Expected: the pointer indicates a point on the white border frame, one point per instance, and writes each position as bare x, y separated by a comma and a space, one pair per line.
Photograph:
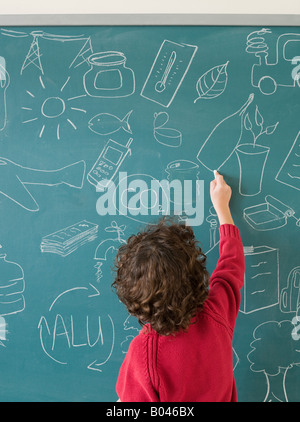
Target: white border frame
150, 19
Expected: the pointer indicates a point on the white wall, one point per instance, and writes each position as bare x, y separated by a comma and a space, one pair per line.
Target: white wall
149, 6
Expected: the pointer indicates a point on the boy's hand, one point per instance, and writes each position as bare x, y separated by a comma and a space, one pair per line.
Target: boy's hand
220, 194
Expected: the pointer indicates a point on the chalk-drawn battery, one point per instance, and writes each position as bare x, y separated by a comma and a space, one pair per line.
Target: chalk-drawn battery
108, 163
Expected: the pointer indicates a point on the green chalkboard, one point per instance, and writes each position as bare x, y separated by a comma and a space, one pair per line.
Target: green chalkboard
104, 129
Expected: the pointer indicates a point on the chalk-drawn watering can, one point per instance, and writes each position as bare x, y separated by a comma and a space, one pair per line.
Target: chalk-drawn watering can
109, 77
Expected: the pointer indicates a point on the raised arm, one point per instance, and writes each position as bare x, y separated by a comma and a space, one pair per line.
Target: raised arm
228, 277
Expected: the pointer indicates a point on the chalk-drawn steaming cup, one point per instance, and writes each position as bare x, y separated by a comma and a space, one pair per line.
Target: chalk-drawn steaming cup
252, 160
108, 77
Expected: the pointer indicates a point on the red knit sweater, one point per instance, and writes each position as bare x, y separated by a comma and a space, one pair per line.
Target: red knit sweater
193, 366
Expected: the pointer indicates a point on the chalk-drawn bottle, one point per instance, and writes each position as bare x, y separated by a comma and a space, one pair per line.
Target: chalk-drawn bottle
12, 286
223, 139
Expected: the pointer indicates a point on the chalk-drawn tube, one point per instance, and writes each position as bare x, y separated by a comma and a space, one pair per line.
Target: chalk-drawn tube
223, 139
270, 215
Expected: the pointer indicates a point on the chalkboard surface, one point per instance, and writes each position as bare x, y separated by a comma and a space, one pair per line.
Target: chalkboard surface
101, 128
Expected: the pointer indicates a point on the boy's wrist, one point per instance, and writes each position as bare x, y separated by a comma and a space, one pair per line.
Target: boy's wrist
224, 216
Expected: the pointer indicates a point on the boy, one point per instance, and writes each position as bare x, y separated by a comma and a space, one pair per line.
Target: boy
184, 351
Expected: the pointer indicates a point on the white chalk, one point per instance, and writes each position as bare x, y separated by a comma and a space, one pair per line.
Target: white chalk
215, 171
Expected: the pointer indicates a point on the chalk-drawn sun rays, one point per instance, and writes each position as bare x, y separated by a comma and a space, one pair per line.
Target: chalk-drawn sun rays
53, 109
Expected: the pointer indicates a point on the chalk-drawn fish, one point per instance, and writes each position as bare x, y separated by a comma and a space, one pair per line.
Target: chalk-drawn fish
105, 123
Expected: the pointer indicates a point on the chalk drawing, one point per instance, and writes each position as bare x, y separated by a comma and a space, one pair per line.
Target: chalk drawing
15, 178
60, 329
284, 357
166, 136
168, 71
108, 76
253, 155
34, 54
106, 123
289, 172
56, 109
65, 241
212, 83
4, 84
268, 76
108, 163
290, 295
270, 215
261, 285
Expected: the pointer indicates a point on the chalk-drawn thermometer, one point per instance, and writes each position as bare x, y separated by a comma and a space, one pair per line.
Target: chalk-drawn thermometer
160, 86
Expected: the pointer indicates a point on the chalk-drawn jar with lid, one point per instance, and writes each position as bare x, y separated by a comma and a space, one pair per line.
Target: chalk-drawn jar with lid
12, 286
109, 77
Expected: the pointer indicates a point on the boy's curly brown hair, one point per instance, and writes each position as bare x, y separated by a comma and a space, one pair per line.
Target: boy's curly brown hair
161, 276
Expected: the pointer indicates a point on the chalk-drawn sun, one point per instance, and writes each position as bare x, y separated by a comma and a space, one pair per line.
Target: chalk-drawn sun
52, 110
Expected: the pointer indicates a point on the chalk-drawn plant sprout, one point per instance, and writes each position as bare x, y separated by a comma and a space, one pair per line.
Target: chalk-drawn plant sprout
273, 338
259, 126
252, 155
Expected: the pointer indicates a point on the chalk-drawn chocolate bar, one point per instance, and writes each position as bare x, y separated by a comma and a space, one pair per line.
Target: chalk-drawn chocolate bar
65, 241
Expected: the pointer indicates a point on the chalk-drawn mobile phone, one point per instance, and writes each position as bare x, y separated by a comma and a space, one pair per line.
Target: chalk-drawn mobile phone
267, 76
108, 163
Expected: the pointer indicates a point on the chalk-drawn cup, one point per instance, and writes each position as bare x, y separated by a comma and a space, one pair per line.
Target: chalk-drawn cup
108, 77
252, 160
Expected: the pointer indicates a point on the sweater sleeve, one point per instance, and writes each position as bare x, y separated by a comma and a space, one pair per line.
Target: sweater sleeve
134, 382
228, 277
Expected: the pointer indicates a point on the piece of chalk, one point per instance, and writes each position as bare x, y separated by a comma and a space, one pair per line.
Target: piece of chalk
215, 171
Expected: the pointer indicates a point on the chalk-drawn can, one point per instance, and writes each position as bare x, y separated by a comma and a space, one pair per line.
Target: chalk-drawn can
12, 286
183, 171
109, 77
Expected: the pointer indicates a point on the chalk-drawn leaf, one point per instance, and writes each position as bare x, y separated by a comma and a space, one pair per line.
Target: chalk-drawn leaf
247, 122
212, 83
258, 117
271, 129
